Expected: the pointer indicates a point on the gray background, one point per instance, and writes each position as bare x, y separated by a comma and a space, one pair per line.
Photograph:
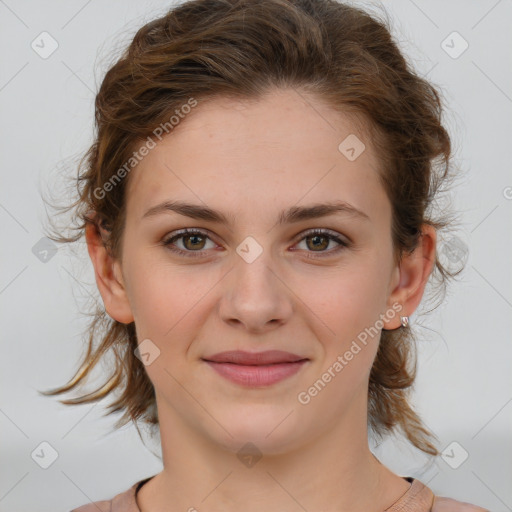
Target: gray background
463, 391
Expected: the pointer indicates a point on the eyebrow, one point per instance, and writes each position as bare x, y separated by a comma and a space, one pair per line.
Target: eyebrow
289, 216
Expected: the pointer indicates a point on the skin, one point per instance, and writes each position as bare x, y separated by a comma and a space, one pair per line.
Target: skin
252, 159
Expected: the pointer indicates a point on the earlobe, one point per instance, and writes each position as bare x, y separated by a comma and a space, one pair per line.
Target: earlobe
414, 271
106, 271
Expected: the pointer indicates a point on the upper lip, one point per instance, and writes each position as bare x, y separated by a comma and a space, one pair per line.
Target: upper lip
254, 358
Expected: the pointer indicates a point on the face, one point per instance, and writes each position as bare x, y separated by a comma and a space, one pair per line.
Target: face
254, 283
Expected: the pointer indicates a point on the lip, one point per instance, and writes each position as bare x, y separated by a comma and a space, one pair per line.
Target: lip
256, 369
254, 358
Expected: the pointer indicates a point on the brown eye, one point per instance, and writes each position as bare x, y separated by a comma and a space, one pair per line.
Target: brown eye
318, 240
192, 242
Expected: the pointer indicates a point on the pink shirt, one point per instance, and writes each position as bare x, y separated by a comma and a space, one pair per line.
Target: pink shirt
419, 498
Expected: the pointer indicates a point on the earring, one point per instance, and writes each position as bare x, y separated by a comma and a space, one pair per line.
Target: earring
404, 321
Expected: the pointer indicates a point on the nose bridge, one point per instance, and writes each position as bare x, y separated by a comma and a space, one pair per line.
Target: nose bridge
255, 294
253, 268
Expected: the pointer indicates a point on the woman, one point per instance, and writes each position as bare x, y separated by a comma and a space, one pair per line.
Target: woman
256, 209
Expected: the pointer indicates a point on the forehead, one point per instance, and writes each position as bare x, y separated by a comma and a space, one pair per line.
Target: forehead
282, 149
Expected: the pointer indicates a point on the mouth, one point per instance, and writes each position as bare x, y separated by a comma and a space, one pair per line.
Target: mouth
256, 369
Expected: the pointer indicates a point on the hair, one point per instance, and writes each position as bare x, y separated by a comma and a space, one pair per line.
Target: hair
203, 49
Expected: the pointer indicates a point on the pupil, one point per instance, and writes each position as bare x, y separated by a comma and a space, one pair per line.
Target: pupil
317, 237
195, 237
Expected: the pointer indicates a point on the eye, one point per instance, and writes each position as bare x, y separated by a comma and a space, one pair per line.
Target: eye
320, 239
193, 242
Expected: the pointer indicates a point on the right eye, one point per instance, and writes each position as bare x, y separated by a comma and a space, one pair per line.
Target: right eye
192, 239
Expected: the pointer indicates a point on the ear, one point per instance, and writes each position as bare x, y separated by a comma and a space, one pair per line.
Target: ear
411, 277
108, 277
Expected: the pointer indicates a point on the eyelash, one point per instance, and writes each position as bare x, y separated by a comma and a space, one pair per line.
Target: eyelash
194, 254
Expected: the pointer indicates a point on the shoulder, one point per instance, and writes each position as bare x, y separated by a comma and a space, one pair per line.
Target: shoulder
420, 498
450, 505
122, 502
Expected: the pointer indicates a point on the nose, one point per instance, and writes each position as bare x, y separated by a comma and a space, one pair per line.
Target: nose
255, 296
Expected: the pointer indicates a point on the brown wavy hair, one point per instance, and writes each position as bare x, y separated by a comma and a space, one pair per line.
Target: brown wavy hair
204, 49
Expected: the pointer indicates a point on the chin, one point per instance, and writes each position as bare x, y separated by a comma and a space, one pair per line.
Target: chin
263, 427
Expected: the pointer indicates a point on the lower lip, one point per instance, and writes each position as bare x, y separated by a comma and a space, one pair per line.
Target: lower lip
256, 375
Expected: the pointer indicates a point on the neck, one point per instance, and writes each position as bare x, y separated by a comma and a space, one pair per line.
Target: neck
334, 471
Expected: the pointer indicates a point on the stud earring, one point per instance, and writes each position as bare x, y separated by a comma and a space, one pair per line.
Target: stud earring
404, 320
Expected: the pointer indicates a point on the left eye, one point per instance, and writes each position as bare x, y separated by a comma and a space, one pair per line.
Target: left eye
193, 242
321, 239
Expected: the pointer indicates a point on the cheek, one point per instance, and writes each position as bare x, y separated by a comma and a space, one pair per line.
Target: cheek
168, 300
169, 309
349, 305
346, 301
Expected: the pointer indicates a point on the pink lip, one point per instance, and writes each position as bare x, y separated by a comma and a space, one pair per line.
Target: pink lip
256, 368
256, 375
251, 358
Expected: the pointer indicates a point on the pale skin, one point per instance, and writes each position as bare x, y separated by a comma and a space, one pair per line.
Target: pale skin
251, 160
